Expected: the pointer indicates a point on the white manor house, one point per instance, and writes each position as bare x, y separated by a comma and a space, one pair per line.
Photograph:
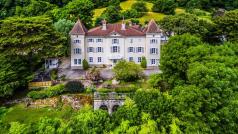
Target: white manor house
106, 44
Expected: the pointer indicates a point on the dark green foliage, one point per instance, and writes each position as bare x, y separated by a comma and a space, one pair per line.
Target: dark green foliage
35, 8
48, 92
63, 26
126, 89
164, 6
156, 81
132, 13
174, 58
143, 63
111, 14
85, 64
38, 34
185, 23
74, 86
89, 121
127, 71
139, 6
227, 25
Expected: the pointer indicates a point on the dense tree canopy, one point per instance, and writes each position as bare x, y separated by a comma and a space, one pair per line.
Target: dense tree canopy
164, 6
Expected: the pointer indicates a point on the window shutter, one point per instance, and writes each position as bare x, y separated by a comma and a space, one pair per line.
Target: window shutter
111, 49
102, 49
119, 49
156, 50
142, 49
88, 49
97, 49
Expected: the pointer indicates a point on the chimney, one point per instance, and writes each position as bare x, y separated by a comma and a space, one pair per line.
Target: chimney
123, 25
104, 25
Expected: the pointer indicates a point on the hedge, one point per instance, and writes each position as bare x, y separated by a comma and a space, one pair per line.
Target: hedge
46, 93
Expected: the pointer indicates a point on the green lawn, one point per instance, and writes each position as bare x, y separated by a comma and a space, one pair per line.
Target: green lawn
125, 5
98, 12
26, 115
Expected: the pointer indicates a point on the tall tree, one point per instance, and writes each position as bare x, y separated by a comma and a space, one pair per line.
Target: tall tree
164, 6
30, 36
227, 25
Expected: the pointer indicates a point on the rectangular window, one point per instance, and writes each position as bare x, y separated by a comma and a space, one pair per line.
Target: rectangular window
99, 59
130, 58
154, 51
153, 41
79, 61
153, 61
99, 40
140, 49
139, 59
115, 41
130, 49
90, 40
90, 59
75, 61
77, 51
77, 41
115, 49
99, 49
90, 49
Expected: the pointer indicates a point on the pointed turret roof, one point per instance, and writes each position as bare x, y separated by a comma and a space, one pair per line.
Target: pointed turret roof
152, 27
79, 28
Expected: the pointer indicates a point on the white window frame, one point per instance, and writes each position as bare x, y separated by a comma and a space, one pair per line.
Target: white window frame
99, 59
99, 48
115, 49
141, 49
130, 49
77, 41
139, 59
99, 40
90, 59
131, 59
153, 61
115, 41
77, 51
90, 40
153, 50
153, 41
90, 49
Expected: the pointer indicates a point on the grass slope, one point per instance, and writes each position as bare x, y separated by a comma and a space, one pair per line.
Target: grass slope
125, 5
26, 115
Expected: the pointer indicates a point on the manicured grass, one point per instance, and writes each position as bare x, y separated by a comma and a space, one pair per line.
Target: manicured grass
125, 5
98, 12
151, 15
26, 115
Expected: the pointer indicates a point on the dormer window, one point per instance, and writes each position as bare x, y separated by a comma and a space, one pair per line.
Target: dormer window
115, 41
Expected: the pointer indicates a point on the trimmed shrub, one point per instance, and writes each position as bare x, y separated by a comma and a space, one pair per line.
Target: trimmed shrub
143, 63
74, 86
139, 6
104, 90
37, 95
46, 93
85, 64
128, 71
156, 81
126, 89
